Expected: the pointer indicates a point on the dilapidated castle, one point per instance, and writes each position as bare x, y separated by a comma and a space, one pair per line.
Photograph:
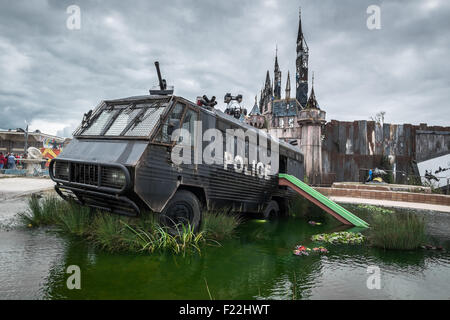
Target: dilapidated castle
340, 150
279, 115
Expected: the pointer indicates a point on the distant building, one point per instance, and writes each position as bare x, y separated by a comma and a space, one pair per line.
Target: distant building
14, 141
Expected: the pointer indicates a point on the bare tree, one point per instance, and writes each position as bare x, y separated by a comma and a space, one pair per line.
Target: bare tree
379, 117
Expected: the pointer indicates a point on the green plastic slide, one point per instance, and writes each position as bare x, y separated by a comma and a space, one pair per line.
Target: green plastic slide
333, 206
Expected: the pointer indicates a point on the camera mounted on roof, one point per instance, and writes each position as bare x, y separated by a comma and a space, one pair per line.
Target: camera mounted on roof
163, 89
234, 110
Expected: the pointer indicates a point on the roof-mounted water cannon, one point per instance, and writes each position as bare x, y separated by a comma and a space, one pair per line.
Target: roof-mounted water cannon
234, 109
163, 89
205, 102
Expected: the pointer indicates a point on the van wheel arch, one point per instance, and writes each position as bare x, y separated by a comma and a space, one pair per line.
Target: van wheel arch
199, 192
277, 207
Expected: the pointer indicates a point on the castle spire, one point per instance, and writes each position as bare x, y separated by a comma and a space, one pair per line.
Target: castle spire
288, 86
300, 32
312, 101
301, 63
277, 67
277, 77
267, 79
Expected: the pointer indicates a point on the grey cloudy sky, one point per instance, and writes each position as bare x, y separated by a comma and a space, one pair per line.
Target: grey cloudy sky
50, 75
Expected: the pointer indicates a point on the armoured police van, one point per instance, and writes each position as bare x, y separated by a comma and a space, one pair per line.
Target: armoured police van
121, 160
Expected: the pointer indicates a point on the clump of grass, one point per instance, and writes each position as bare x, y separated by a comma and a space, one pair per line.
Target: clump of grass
41, 212
107, 232
220, 224
158, 239
397, 231
113, 233
74, 219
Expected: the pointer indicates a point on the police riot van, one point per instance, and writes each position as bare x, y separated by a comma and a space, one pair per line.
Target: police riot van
164, 153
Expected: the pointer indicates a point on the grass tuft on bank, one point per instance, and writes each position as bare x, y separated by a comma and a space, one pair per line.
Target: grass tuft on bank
397, 231
389, 228
220, 224
116, 233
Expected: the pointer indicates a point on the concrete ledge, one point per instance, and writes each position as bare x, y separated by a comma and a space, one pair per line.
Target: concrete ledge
393, 204
18, 187
381, 187
435, 199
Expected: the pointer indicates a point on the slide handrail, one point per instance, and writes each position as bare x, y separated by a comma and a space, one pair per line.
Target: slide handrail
342, 212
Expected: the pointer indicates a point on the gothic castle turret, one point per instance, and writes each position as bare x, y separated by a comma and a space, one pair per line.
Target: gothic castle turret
281, 115
301, 66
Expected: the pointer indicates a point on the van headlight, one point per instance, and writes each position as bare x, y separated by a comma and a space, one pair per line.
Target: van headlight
61, 170
117, 178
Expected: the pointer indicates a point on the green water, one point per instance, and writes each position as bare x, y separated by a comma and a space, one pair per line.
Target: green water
257, 264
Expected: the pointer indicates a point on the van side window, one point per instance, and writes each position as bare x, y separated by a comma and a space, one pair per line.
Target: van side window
188, 123
172, 123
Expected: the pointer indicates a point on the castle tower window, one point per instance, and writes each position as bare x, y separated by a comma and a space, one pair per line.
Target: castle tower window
291, 122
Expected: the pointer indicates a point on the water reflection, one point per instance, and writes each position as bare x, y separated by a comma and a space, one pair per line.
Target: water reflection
25, 258
258, 264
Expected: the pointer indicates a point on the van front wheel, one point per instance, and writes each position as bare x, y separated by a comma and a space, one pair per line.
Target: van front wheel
182, 210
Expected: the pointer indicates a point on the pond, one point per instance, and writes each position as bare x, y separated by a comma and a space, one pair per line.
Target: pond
256, 264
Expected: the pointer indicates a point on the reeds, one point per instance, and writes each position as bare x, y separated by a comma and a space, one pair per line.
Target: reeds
404, 231
40, 213
114, 233
220, 224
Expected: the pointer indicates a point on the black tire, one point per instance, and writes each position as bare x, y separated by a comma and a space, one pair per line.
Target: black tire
183, 209
272, 210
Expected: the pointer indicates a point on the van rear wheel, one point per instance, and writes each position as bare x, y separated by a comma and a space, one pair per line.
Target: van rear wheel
272, 210
182, 210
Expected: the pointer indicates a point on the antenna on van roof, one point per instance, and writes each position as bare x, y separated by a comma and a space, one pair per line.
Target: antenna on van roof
163, 90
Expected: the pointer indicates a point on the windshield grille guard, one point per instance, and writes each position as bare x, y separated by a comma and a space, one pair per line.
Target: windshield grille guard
120, 106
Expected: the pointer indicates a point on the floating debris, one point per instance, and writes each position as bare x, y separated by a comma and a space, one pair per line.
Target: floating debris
301, 251
314, 223
304, 251
320, 250
342, 237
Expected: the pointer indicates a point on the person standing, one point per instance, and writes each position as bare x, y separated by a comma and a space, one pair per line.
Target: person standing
2, 160
11, 161
5, 162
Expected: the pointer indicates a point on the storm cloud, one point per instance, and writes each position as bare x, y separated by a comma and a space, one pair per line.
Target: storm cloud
51, 75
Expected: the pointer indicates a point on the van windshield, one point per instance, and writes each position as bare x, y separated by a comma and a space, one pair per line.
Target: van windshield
131, 120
